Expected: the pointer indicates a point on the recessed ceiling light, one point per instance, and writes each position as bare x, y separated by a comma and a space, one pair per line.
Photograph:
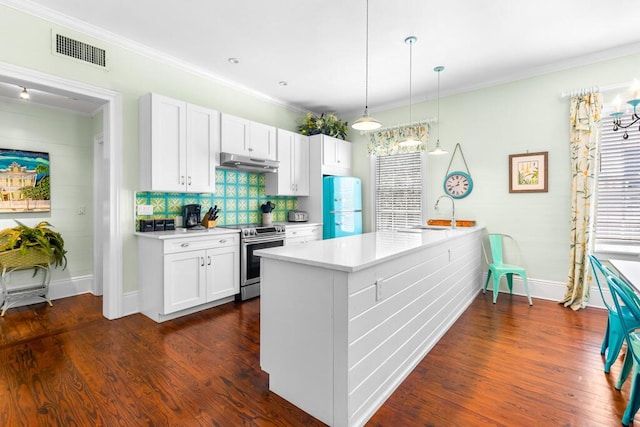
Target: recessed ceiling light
282, 83
24, 95
233, 60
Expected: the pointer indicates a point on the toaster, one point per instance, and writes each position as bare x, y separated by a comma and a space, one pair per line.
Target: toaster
298, 216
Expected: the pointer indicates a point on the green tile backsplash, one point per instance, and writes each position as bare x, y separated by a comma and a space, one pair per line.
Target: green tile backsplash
238, 194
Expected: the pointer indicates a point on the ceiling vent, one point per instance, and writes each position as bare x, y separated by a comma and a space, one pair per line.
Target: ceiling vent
81, 51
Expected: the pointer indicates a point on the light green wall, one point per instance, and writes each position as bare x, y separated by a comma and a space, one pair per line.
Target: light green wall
526, 115
28, 44
67, 138
489, 123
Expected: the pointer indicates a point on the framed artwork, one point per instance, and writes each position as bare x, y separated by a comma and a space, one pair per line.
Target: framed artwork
528, 173
24, 181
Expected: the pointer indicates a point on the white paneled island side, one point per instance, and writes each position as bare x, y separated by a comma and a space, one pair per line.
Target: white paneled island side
344, 321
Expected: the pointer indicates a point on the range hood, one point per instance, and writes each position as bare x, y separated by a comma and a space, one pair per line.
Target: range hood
248, 163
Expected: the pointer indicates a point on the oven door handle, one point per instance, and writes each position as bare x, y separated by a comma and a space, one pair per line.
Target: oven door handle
263, 240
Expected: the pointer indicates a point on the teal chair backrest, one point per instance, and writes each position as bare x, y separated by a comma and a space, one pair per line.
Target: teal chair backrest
599, 270
621, 292
495, 241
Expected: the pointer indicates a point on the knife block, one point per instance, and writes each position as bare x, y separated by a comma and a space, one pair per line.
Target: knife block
207, 222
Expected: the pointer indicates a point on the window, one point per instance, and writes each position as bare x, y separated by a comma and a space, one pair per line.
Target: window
399, 190
617, 225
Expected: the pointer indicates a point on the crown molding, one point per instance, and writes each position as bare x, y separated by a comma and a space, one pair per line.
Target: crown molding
73, 24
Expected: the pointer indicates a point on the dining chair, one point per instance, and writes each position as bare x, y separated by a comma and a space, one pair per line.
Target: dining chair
614, 334
623, 298
498, 268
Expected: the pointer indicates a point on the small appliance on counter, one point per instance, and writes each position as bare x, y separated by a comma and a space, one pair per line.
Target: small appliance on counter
298, 216
191, 215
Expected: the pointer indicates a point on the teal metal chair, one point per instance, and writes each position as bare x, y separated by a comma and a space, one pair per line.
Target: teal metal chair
625, 299
497, 268
614, 333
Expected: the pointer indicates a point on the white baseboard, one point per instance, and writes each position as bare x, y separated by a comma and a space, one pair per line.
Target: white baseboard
545, 289
70, 287
130, 304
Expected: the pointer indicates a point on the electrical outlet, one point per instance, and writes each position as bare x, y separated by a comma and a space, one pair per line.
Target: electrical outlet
145, 209
379, 289
82, 210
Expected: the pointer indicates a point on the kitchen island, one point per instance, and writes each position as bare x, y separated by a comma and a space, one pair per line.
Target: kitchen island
344, 321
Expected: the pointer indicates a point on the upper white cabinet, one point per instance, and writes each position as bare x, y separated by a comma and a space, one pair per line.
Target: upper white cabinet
179, 145
335, 154
247, 138
292, 177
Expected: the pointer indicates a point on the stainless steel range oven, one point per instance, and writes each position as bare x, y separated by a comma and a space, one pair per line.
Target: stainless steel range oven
252, 238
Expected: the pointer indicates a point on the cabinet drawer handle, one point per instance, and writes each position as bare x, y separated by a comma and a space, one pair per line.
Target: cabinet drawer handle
250, 149
222, 241
185, 245
295, 232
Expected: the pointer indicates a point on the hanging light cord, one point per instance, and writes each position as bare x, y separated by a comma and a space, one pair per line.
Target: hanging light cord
366, 68
438, 106
411, 42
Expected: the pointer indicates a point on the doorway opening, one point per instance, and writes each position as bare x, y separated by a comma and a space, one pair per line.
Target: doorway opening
108, 185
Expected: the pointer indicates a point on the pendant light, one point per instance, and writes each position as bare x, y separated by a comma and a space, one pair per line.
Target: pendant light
366, 122
411, 140
438, 150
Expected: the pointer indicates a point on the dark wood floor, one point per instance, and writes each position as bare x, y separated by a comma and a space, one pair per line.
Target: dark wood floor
506, 364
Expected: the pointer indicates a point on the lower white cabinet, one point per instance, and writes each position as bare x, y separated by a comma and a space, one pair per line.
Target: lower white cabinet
296, 234
186, 274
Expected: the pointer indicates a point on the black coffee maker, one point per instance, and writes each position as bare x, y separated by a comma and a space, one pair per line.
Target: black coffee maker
191, 216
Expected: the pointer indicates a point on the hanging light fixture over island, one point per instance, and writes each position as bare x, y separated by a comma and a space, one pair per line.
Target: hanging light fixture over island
366, 122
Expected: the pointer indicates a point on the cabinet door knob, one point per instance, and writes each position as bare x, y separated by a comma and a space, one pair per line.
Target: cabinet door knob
185, 245
250, 149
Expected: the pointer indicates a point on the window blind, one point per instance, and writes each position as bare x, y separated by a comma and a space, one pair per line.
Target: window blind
618, 193
398, 194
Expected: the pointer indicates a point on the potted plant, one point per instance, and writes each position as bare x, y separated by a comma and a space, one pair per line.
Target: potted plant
326, 124
23, 246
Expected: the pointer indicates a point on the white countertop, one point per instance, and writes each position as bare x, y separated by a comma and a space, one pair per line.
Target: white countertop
629, 270
355, 253
299, 224
181, 233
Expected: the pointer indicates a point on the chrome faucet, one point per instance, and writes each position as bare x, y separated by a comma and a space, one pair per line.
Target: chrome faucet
453, 208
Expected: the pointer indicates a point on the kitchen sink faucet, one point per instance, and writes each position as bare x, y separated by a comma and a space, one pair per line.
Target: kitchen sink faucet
453, 209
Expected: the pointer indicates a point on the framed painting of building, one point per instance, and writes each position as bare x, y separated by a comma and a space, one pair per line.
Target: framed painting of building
24, 181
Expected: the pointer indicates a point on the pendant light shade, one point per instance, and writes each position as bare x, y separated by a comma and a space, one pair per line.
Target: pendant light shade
438, 150
410, 140
366, 122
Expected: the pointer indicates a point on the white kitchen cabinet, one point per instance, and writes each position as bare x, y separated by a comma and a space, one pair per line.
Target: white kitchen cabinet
336, 155
182, 275
185, 281
297, 234
292, 177
247, 138
327, 156
179, 145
